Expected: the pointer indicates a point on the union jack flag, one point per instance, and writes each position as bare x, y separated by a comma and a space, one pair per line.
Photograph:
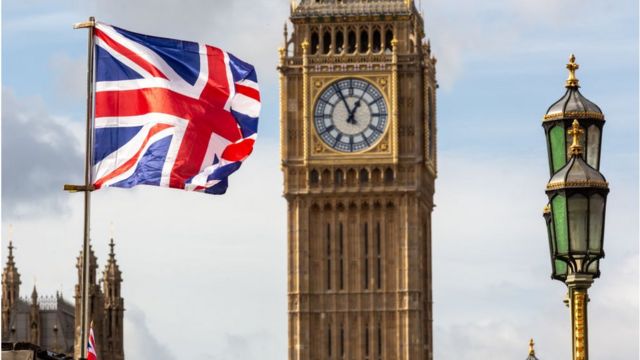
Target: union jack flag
91, 345
170, 113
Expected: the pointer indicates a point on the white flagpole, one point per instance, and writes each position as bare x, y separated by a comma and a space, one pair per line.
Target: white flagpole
87, 188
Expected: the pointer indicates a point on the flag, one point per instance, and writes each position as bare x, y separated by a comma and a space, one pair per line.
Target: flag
91, 345
170, 113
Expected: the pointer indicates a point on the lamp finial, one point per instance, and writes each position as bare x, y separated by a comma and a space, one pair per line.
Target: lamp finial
576, 131
572, 81
532, 352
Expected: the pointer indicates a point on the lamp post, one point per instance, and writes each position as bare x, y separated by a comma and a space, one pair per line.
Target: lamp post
577, 194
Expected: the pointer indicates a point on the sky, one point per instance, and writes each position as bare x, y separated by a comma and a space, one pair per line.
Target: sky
205, 277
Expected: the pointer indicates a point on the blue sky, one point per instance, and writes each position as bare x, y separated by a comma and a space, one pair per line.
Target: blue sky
500, 65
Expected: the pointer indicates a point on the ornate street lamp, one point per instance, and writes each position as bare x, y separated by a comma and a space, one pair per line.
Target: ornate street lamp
559, 117
575, 214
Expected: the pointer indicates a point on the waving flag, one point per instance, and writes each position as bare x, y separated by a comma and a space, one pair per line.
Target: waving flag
170, 113
91, 345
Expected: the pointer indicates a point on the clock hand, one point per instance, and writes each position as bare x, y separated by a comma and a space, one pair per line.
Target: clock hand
337, 89
353, 112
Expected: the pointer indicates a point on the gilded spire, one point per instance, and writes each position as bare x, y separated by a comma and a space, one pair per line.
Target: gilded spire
572, 81
532, 352
576, 131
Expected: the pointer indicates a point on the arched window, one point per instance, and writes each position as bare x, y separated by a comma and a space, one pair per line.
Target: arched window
329, 340
366, 340
365, 232
314, 177
328, 247
378, 257
341, 255
379, 339
341, 340
315, 42
377, 41
388, 36
326, 42
388, 176
338, 177
364, 176
339, 42
364, 41
351, 42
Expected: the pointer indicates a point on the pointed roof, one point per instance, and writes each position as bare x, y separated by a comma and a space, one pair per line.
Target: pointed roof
10, 272
112, 270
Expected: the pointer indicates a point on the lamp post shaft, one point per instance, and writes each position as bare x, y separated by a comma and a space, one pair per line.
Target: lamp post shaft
578, 285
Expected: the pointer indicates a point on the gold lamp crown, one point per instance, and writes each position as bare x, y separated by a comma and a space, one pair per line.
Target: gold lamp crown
532, 352
576, 131
572, 81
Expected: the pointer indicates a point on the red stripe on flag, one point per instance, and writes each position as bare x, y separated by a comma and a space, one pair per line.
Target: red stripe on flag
134, 159
238, 151
150, 68
248, 91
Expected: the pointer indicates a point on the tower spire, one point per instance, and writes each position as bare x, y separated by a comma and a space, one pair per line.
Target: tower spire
10, 286
113, 306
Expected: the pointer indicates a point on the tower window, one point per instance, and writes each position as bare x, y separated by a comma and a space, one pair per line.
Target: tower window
364, 41
377, 41
339, 42
366, 340
315, 42
328, 239
314, 177
364, 176
351, 42
366, 255
341, 252
388, 36
379, 340
329, 347
388, 175
338, 177
378, 257
341, 340
326, 42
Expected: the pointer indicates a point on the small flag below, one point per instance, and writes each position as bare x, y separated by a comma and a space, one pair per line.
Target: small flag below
91, 346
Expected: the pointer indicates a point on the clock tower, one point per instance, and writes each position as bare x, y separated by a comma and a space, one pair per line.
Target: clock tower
358, 149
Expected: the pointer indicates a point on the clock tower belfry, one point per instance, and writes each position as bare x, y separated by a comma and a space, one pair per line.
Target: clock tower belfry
358, 149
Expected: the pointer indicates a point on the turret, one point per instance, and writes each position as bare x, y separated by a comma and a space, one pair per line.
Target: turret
96, 301
113, 348
10, 289
34, 318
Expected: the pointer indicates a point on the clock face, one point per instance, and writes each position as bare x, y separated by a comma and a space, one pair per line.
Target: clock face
350, 115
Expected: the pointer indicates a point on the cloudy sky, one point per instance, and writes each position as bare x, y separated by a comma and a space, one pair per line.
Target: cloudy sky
205, 277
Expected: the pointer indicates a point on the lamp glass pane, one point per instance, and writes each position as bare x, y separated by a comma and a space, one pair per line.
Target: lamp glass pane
559, 212
596, 220
578, 215
560, 268
593, 144
558, 147
594, 267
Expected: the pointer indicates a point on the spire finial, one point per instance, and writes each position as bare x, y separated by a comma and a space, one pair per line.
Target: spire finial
532, 352
112, 244
572, 81
576, 131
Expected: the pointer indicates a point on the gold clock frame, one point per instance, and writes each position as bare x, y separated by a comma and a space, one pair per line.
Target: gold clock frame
383, 150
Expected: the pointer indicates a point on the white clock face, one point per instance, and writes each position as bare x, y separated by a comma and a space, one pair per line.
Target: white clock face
350, 115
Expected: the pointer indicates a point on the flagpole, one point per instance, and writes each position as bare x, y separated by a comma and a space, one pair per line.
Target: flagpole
87, 188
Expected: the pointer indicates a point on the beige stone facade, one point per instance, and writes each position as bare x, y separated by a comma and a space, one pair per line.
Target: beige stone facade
359, 239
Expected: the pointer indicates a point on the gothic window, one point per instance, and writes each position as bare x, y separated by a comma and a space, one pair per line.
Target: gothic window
339, 42
364, 41
378, 257
315, 42
351, 42
338, 177
314, 177
341, 253
329, 349
342, 340
366, 255
326, 177
377, 41
376, 176
364, 176
388, 36
366, 340
379, 340
326, 42
328, 240
351, 177
388, 176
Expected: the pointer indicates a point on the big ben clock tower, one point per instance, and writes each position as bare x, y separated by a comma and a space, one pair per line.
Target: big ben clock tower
358, 135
